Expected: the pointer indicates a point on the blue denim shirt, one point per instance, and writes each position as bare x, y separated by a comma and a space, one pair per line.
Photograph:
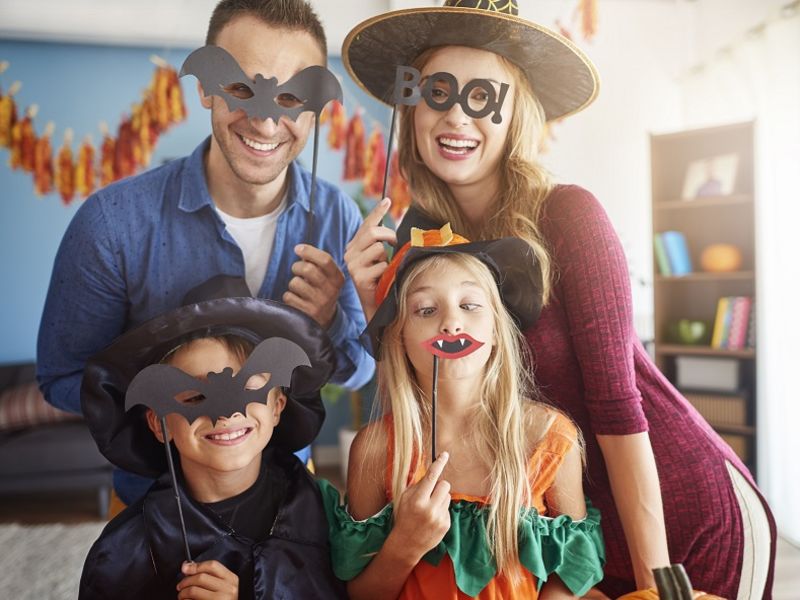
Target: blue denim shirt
136, 247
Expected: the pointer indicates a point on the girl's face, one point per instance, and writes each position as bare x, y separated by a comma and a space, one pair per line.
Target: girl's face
449, 314
458, 149
225, 443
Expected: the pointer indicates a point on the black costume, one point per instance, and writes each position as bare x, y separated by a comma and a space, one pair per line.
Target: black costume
274, 535
139, 553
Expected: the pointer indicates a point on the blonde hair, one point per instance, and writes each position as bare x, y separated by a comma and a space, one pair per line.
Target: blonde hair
524, 184
501, 419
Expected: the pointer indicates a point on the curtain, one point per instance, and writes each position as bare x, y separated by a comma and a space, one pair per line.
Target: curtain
758, 77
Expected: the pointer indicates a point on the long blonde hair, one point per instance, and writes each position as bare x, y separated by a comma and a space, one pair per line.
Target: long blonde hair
524, 184
501, 421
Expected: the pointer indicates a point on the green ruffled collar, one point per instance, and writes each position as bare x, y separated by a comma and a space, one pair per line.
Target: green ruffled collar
573, 550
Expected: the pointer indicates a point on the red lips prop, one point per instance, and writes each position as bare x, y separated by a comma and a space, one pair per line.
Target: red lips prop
452, 346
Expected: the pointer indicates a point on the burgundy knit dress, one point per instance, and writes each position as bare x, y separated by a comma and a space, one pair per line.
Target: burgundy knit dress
589, 362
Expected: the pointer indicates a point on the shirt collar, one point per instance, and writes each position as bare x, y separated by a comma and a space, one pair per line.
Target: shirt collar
194, 190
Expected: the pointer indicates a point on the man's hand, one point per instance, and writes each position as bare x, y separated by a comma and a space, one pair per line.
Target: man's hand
315, 287
207, 580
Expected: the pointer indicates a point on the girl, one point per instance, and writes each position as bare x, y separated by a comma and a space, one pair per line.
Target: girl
501, 512
645, 443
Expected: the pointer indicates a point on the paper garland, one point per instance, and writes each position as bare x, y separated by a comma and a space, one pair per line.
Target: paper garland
79, 174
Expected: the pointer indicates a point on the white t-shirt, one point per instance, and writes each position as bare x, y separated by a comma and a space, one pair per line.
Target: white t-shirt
254, 237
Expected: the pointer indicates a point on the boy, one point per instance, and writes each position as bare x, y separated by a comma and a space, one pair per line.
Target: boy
248, 522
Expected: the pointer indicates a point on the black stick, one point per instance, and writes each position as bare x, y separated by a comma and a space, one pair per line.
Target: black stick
434, 393
175, 488
389, 152
310, 225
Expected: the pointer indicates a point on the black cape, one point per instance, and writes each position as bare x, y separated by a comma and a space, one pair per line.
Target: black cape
140, 552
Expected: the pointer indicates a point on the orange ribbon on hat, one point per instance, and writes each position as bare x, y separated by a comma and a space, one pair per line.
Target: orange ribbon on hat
420, 238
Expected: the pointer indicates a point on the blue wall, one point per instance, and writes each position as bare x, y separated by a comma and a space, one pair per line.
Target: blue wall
78, 86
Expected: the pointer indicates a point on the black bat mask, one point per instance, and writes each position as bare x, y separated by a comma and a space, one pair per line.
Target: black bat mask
223, 394
261, 98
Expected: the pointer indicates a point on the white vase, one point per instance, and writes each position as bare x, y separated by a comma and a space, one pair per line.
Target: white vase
346, 437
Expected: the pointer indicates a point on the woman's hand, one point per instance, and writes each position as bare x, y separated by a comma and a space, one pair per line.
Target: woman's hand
366, 257
208, 580
422, 515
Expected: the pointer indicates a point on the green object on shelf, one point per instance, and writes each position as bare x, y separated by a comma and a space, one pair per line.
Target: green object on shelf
690, 332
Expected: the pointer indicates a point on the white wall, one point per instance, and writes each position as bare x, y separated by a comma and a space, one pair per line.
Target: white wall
757, 76
639, 49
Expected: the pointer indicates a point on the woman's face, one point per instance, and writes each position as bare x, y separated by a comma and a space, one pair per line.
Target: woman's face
461, 150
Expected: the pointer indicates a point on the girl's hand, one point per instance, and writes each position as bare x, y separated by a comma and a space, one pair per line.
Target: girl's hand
208, 580
366, 257
422, 514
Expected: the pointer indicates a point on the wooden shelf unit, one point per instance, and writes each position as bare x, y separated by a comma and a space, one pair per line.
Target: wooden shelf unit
706, 221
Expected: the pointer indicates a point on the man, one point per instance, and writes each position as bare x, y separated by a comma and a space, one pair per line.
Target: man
238, 205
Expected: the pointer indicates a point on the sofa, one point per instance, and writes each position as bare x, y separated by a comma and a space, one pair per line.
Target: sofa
43, 449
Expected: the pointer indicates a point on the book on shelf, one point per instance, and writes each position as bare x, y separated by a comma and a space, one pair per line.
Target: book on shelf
677, 251
751, 325
740, 318
719, 322
733, 322
661, 255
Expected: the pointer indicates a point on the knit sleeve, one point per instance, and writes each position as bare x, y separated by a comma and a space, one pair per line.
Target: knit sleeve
594, 287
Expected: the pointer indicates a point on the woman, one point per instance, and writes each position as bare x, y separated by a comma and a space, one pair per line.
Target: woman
669, 489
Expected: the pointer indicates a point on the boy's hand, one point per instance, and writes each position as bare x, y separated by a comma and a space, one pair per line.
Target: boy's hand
316, 284
422, 514
208, 580
366, 257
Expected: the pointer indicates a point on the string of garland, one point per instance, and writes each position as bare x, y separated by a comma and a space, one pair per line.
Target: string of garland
365, 158
79, 174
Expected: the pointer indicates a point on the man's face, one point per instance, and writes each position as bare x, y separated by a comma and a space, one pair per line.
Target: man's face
257, 151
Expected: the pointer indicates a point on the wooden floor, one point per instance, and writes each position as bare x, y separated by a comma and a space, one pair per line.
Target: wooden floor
78, 507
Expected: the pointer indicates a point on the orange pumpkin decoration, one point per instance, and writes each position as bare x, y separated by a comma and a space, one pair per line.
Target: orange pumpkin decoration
652, 594
721, 258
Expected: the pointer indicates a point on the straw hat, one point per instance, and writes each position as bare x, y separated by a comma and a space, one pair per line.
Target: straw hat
563, 78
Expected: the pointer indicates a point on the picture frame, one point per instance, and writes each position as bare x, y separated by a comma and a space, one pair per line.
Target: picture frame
710, 177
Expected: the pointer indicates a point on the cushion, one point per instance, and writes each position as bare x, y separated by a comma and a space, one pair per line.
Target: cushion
23, 405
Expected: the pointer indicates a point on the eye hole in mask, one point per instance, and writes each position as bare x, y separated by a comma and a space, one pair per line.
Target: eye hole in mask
239, 90
257, 381
189, 397
288, 100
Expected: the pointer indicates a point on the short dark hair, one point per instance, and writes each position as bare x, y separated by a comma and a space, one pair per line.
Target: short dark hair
288, 14
240, 347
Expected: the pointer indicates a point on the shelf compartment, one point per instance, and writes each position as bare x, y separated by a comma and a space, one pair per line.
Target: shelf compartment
676, 349
711, 201
705, 276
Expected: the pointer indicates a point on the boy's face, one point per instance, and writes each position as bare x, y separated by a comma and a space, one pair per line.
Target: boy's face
230, 442
257, 151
